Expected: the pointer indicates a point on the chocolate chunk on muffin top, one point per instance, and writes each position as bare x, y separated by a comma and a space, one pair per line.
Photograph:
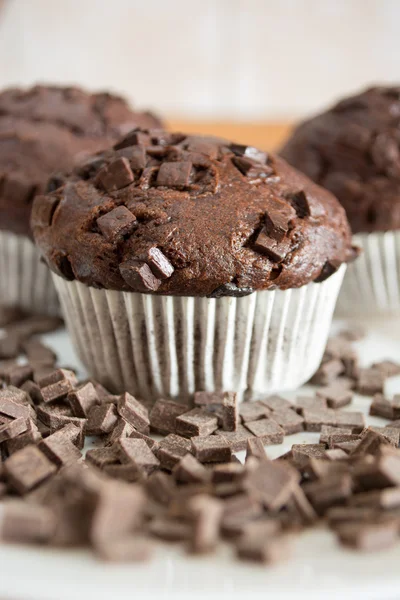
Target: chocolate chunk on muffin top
174, 214
353, 151
46, 129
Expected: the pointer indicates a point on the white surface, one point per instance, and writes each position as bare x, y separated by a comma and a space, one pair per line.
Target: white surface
318, 568
246, 59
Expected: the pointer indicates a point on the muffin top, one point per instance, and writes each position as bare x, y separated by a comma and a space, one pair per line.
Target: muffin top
46, 129
353, 151
184, 215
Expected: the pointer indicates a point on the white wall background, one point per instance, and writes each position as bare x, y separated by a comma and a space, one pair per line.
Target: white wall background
245, 59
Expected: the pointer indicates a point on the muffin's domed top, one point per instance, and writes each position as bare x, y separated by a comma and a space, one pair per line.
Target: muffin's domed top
46, 129
174, 214
353, 150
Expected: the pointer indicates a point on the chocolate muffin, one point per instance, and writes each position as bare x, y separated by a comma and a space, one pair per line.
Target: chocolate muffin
186, 242
353, 150
43, 130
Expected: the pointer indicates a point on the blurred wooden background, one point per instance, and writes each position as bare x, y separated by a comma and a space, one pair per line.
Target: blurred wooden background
264, 135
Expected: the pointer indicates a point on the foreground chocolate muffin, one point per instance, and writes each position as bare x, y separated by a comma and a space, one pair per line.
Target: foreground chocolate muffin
44, 130
186, 263
353, 150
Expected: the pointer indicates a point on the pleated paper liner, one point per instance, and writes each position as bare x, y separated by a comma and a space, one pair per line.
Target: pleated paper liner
164, 346
372, 283
25, 281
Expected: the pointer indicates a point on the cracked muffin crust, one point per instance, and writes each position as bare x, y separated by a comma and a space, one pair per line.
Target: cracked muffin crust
46, 129
182, 215
353, 150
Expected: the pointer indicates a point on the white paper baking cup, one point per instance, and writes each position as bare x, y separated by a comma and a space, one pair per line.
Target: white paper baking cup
372, 282
166, 346
25, 281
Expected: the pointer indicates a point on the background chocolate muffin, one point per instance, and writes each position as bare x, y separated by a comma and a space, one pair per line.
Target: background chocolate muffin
156, 235
353, 150
44, 130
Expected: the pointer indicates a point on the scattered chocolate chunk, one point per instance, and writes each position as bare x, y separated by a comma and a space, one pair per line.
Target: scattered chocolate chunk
267, 430
174, 174
328, 371
388, 368
83, 399
159, 264
302, 453
38, 353
27, 468
26, 523
272, 483
116, 175
18, 375
252, 411
13, 428
190, 470
289, 420
206, 514
152, 444
59, 447
134, 412
237, 440
57, 415
9, 346
370, 443
353, 419
335, 396
276, 251
313, 420
211, 449
229, 413
381, 407
255, 447
310, 403
328, 430
328, 492
33, 391
102, 419
370, 382
101, 457
163, 416
14, 403
161, 487
369, 536
137, 452
121, 430
197, 422
57, 385
228, 472
116, 224
171, 449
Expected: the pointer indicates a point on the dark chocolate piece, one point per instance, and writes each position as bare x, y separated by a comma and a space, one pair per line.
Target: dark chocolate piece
267, 430
197, 422
211, 449
163, 416
27, 468
134, 412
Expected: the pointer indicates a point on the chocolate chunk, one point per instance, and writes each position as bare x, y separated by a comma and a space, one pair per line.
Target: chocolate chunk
388, 368
313, 420
134, 412
328, 430
237, 440
262, 549
336, 440
152, 444
38, 353
252, 168
329, 268
130, 548
116, 224
272, 483
289, 420
134, 138
328, 492
300, 203
276, 251
102, 419
249, 151
121, 430
277, 220
171, 449
197, 422
26, 523
371, 536
27, 468
163, 416
255, 447
232, 290
228, 473
158, 263
116, 175
328, 372
174, 174
100, 457
276, 403
370, 382
57, 389
336, 396
139, 276
30, 436
9, 346
353, 419
160, 487
205, 513
310, 403
229, 413
83, 399
252, 411
16, 376
35, 325
14, 403
381, 407
381, 473
267, 430
211, 449
170, 530
190, 470
11, 430
302, 453
370, 443
59, 447
57, 415
137, 452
